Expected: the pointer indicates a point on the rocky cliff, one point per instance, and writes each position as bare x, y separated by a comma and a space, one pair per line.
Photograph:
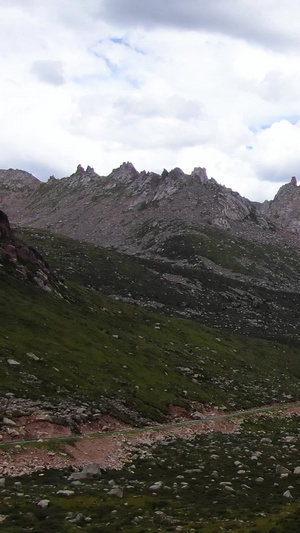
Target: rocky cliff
136, 212
21, 260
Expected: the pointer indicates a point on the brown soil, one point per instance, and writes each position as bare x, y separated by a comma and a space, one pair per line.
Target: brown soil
111, 451
41, 427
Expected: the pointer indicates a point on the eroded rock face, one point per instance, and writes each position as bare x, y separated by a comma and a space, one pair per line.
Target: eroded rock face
24, 260
128, 209
5, 230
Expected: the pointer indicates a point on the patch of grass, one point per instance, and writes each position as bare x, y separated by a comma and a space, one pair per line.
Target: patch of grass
233, 253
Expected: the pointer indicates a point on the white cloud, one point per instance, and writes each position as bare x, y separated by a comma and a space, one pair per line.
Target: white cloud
51, 72
162, 84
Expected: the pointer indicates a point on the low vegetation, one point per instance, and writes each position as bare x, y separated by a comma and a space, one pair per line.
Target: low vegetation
216, 482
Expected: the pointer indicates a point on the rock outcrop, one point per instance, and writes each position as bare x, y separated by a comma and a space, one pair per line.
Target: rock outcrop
25, 261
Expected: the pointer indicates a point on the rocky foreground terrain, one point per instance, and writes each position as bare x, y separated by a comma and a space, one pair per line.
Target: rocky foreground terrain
185, 320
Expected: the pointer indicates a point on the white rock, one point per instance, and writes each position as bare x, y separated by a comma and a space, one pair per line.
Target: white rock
33, 356
156, 486
44, 503
13, 362
228, 488
66, 493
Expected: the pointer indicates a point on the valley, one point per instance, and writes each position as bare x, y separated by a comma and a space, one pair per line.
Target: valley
168, 357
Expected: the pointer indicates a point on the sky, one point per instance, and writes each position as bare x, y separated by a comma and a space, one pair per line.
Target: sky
162, 84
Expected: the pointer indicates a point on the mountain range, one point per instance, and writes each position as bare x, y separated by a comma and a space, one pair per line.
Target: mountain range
138, 212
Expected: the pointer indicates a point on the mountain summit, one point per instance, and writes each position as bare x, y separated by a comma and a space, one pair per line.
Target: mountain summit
128, 209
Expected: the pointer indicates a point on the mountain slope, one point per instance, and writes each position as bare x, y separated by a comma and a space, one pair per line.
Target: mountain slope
134, 212
229, 284
77, 346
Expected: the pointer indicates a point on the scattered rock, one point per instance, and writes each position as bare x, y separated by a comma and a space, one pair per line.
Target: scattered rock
13, 362
265, 440
8, 422
282, 470
156, 486
117, 492
33, 356
44, 503
65, 493
92, 470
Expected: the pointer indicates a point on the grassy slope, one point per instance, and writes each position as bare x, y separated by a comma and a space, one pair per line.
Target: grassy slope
233, 253
90, 345
102, 269
189, 287
85, 261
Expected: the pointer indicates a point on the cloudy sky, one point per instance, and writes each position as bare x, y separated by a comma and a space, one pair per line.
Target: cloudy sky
169, 83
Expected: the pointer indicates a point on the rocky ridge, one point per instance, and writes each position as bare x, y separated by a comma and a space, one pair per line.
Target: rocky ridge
135, 211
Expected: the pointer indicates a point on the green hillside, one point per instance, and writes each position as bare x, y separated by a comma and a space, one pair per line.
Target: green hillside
95, 349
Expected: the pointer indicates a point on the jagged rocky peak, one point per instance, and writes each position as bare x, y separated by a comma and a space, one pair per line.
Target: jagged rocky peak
286, 202
294, 181
89, 171
284, 210
125, 173
288, 189
176, 173
200, 173
79, 170
81, 176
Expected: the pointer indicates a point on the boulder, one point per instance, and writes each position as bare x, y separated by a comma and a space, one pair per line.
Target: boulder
13, 362
44, 503
92, 470
117, 492
7, 422
282, 470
